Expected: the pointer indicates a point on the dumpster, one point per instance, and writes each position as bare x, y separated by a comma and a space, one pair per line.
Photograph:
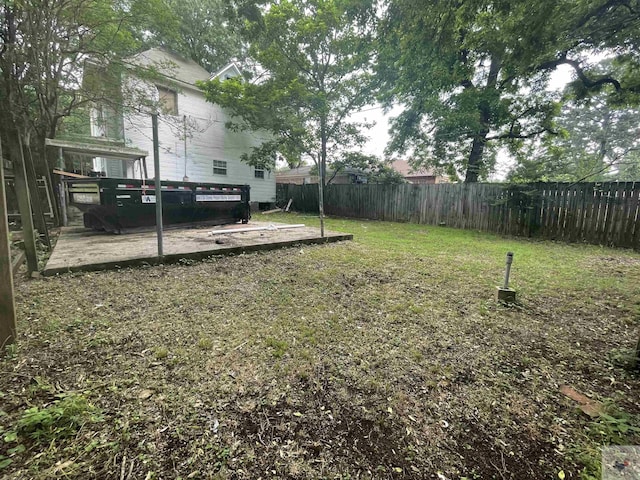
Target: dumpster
116, 204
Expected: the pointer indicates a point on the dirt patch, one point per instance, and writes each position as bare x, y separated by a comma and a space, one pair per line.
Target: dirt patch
323, 431
526, 457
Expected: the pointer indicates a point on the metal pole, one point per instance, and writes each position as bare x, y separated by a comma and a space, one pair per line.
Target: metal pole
156, 169
508, 269
7, 304
63, 202
61, 193
321, 195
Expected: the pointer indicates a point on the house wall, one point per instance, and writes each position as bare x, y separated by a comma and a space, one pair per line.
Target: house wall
342, 179
207, 137
207, 140
105, 123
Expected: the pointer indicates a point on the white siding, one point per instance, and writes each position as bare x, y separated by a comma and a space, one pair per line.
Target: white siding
207, 140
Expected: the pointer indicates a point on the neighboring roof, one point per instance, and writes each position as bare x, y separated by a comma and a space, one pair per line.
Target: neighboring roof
406, 170
305, 170
295, 172
229, 71
175, 67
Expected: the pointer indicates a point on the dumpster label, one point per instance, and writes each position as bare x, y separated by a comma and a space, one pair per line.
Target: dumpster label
148, 199
218, 198
86, 198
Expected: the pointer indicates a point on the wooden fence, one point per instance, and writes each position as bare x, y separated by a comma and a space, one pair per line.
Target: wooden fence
599, 213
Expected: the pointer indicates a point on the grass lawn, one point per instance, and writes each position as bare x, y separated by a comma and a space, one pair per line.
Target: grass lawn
384, 357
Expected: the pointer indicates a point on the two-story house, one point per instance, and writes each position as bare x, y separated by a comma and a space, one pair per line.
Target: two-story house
194, 143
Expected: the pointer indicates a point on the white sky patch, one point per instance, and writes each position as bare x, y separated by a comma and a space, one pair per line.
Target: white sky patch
378, 134
562, 75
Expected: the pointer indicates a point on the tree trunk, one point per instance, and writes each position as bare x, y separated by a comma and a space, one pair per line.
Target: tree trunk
11, 128
321, 200
476, 156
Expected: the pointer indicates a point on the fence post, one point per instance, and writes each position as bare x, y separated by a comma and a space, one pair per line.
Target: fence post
7, 304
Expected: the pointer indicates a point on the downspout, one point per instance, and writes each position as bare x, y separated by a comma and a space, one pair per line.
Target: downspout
184, 121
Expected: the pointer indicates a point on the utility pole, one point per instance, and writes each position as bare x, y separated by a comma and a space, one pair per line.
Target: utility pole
156, 169
7, 306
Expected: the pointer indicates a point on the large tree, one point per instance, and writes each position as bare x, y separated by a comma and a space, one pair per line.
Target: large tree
313, 69
472, 73
207, 31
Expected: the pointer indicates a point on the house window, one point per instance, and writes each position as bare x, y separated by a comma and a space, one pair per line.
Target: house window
168, 100
259, 172
219, 167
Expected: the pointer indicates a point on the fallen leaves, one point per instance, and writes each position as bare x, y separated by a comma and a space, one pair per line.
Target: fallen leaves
593, 408
145, 394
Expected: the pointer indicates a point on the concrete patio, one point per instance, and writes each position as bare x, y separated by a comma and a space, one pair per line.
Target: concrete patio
80, 249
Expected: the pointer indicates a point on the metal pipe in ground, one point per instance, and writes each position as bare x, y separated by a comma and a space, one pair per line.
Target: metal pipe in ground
506, 294
507, 270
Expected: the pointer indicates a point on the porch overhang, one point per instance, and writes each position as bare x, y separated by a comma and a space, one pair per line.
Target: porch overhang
90, 149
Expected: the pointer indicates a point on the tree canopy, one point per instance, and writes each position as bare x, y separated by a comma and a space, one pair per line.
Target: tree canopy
206, 31
46, 47
313, 69
596, 142
472, 74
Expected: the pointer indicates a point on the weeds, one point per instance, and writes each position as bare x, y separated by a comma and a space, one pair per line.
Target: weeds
278, 347
205, 343
41, 426
62, 419
614, 426
161, 353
